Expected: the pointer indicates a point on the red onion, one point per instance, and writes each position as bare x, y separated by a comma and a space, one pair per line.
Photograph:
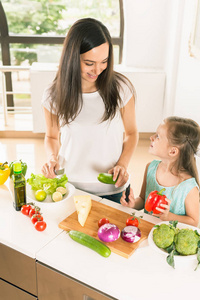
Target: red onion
131, 234
108, 232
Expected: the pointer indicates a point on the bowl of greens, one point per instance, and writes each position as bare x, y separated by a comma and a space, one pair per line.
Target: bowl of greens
48, 190
177, 241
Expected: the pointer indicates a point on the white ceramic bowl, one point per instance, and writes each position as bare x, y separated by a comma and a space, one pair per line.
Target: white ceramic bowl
176, 257
48, 201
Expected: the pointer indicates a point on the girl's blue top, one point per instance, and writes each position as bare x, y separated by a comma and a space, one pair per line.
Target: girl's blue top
177, 194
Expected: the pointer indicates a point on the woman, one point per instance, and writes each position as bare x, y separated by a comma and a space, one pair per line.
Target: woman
93, 108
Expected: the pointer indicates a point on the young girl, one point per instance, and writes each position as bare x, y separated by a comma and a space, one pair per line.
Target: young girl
91, 106
176, 143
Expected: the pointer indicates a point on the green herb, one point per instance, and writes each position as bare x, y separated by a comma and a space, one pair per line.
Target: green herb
170, 259
198, 255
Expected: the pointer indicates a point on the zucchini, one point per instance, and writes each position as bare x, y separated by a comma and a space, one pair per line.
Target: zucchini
106, 178
90, 242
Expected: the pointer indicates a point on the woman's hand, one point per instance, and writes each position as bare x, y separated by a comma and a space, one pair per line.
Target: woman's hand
131, 198
49, 167
165, 211
120, 174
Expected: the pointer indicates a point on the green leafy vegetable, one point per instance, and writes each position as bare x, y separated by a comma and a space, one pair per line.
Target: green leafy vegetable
170, 259
49, 185
198, 256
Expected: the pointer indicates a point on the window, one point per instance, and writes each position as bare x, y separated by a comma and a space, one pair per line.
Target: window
36, 32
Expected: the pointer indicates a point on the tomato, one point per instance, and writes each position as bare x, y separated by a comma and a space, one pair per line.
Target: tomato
40, 225
103, 221
36, 217
132, 221
34, 211
25, 209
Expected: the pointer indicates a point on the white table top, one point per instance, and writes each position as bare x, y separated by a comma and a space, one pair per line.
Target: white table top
145, 275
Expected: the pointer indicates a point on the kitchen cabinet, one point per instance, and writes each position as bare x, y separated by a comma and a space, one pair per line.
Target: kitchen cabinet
17, 269
9, 291
55, 285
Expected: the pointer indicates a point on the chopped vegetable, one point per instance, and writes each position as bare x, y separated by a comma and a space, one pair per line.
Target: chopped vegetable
57, 196
4, 172
154, 200
131, 234
108, 232
90, 242
62, 190
49, 185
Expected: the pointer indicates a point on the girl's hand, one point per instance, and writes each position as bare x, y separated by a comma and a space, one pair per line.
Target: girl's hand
164, 212
49, 167
131, 197
120, 174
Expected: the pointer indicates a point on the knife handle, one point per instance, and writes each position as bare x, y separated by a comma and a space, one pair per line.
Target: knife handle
127, 192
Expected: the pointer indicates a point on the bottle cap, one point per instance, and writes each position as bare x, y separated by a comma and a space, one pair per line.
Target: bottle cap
17, 167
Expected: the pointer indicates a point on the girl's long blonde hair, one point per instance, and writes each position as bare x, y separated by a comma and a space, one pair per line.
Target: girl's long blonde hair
185, 134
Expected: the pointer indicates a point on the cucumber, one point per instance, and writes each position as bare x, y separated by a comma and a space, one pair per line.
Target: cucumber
106, 178
90, 242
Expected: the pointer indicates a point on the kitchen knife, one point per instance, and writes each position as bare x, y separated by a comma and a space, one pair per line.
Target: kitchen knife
127, 192
59, 172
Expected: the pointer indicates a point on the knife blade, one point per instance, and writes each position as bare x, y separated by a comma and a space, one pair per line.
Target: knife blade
127, 192
59, 172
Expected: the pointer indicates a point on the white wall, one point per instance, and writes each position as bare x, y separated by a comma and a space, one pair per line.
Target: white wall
146, 25
187, 100
156, 36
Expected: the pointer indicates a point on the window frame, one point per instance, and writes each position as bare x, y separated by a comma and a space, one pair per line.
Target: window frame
6, 40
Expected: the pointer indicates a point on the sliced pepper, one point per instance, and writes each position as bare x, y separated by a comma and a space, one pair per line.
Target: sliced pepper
24, 167
4, 172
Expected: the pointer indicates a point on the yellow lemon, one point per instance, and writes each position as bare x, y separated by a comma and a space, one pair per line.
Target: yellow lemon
40, 195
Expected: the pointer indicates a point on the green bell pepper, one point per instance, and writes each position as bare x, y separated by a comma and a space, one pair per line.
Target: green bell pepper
24, 167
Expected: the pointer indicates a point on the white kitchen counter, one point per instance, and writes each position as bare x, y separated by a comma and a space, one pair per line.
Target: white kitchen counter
17, 230
145, 275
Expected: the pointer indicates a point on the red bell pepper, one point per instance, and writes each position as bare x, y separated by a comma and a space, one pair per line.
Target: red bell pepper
154, 200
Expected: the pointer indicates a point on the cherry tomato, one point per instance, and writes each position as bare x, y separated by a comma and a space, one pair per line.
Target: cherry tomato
132, 221
103, 221
34, 211
25, 209
36, 217
40, 225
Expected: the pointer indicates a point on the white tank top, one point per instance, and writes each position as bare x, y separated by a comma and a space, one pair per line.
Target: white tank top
89, 146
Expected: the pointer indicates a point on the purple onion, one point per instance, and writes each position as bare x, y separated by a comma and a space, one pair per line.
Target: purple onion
131, 234
108, 233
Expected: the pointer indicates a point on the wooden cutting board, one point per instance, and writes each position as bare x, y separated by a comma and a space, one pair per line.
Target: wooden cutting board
115, 216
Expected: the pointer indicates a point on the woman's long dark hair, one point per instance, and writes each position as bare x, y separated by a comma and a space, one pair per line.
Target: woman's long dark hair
65, 92
185, 134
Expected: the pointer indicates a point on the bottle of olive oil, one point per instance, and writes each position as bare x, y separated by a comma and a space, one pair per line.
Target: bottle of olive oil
19, 184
